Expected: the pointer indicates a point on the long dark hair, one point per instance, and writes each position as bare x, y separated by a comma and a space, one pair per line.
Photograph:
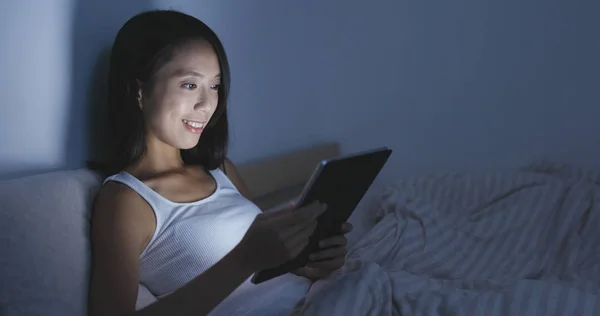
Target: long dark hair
144, 44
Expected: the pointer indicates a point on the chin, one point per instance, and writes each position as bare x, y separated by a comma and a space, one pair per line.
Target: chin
186, 143
186, 146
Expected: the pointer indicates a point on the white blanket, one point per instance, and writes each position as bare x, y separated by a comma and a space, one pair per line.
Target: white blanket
520, 243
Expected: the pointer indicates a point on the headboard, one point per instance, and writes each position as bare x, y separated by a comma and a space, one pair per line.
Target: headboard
280, 178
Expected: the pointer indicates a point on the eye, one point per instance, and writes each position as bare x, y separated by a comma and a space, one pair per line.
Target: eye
189, 86
215, 86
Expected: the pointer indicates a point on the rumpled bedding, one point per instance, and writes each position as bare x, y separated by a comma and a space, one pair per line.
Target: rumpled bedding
525, 242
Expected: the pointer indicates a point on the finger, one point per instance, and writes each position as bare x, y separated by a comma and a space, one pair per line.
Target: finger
305, 214
347, 227
290, 206
280, 211
297, 248
316, 274
328, 265
329, 254
283, 217
334, 241
302, 237
298, 229
314, 209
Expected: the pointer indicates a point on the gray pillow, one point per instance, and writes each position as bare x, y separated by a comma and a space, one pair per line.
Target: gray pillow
44, 243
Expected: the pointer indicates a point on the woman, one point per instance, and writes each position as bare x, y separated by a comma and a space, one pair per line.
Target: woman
173, 214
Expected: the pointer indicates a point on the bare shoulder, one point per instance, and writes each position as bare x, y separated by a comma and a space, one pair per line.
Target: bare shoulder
113, 193
122, 224
236, 178
229, 165
118, 207
115, 196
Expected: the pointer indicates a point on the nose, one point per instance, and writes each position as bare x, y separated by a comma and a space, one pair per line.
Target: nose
205, 102
202, 105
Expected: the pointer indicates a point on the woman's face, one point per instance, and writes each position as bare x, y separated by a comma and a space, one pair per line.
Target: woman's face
183, 97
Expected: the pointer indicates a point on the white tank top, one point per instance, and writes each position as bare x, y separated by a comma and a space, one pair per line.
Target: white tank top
191, 237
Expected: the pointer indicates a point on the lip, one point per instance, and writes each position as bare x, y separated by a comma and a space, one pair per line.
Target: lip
195, 121
193, 129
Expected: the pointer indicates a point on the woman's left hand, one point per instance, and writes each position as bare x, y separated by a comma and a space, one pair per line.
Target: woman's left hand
330, 257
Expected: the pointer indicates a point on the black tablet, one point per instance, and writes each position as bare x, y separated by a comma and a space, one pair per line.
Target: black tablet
340, 183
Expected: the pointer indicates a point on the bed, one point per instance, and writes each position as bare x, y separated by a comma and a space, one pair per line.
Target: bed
513, 242
516, 242
519, 242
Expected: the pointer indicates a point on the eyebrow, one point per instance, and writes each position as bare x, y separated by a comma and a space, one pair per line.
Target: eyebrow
185, 72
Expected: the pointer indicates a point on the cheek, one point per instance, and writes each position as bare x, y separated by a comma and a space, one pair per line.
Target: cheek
214, 103
172, 107
160, 116
178, 108
213, 109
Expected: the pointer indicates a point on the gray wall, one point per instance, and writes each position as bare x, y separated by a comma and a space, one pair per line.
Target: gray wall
447, 84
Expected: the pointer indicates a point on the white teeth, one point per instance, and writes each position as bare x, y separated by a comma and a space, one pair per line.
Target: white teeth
193, 124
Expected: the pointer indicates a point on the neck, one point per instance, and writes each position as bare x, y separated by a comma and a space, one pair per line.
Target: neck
159, 158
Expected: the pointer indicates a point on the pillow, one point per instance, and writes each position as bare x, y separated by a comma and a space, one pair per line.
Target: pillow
44, 243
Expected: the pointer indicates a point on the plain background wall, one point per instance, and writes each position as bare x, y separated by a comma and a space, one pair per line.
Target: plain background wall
447, 84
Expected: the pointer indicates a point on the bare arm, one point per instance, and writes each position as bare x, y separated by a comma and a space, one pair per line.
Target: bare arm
316, 270
239, 183
236, 178
206, 291
122, 223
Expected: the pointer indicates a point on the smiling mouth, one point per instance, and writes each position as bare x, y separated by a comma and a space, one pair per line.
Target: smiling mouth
195, 127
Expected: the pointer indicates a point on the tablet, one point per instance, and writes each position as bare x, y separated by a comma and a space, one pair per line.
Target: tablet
340, 183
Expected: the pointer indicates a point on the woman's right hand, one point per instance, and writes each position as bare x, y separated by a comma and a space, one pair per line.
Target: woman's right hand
277, 237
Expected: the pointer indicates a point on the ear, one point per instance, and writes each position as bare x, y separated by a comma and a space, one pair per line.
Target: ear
139, 99
140, 94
